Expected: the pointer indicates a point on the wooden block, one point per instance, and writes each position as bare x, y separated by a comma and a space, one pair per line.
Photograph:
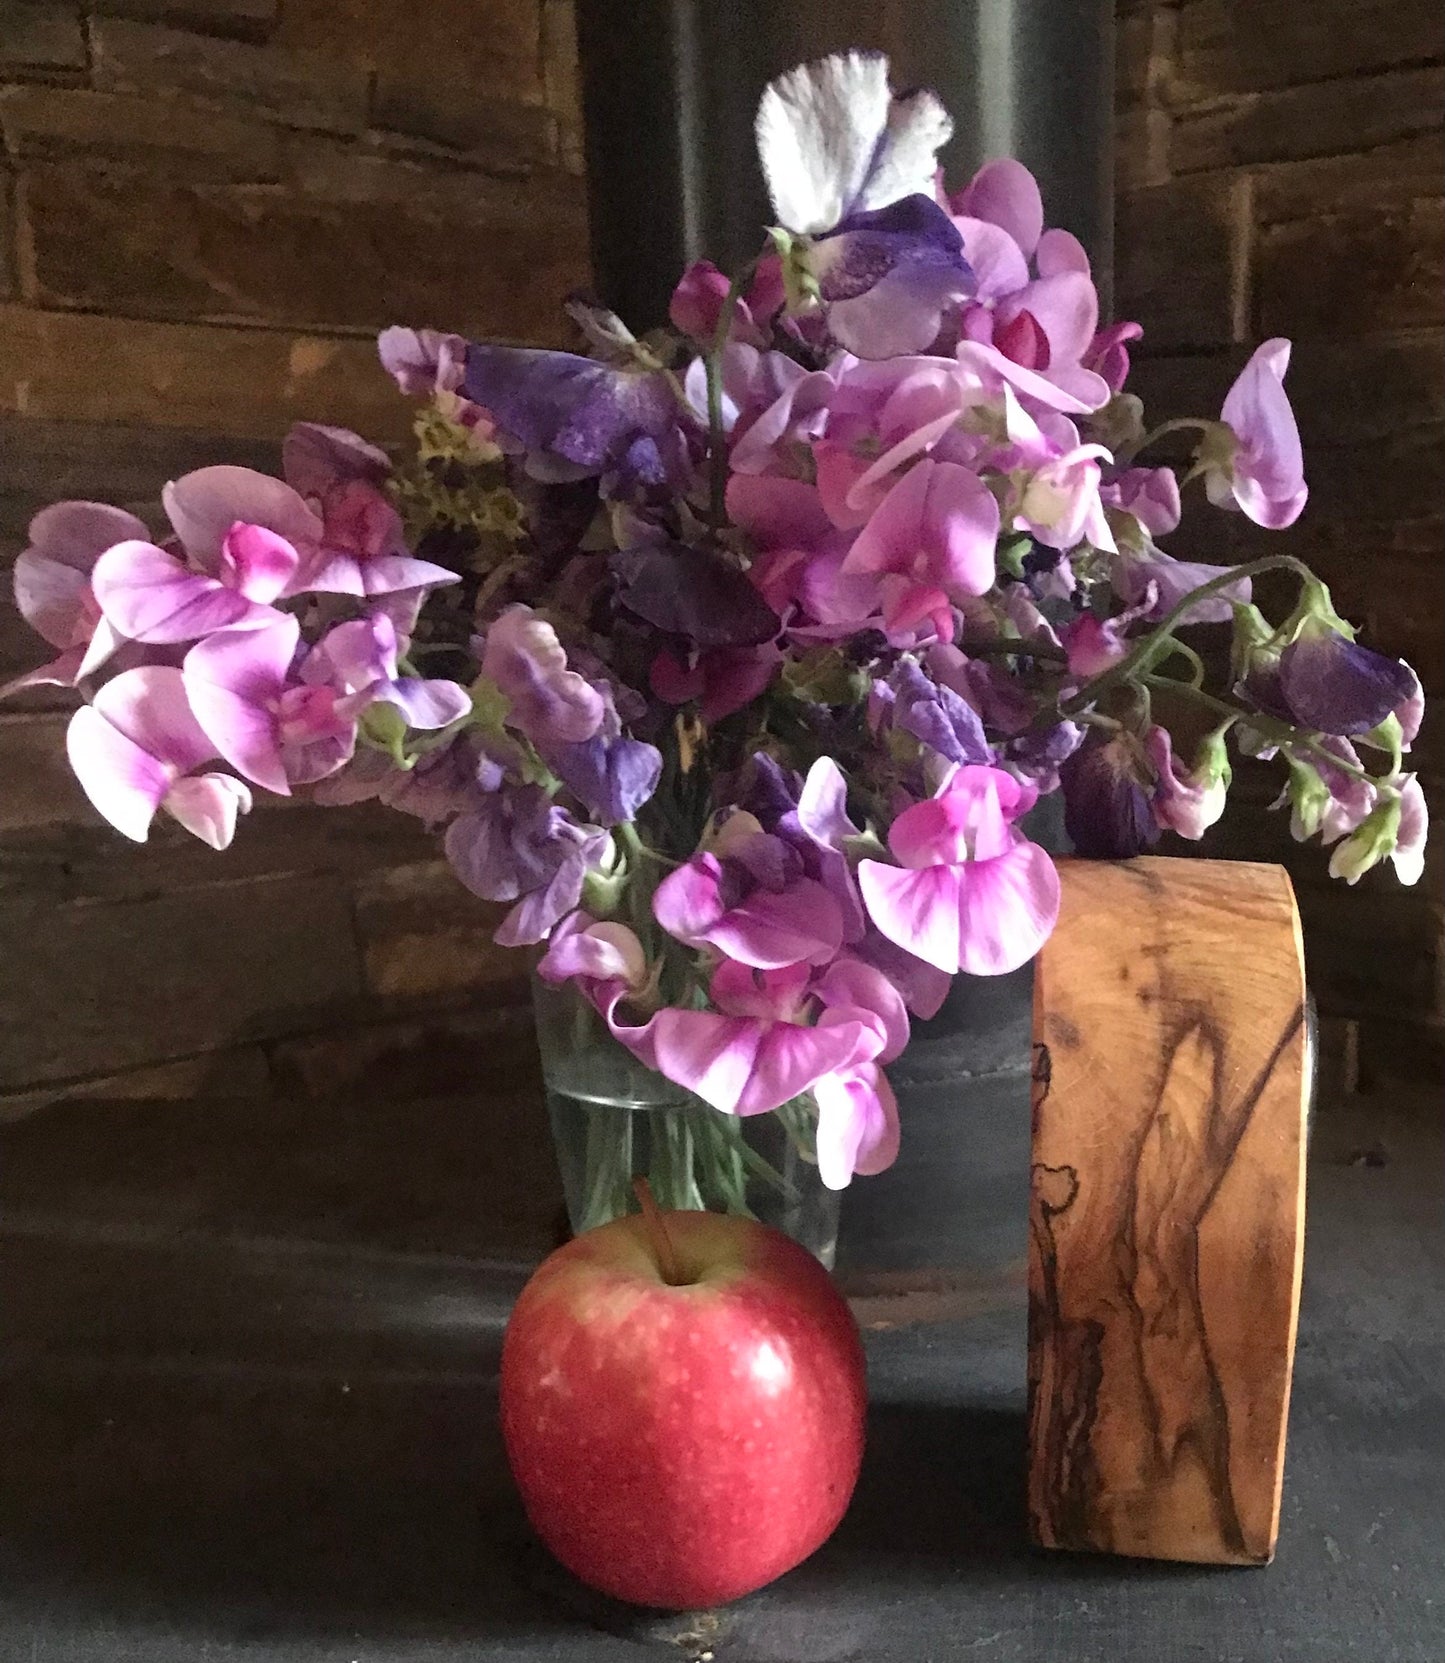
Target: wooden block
1167, 1209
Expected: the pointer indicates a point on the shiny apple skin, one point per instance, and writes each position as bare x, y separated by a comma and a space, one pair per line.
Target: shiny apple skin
680, 1446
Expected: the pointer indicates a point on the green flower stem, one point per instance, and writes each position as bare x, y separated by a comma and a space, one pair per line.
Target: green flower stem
717, 445
1012, 648
1180, 424
1150, 649
1269, 726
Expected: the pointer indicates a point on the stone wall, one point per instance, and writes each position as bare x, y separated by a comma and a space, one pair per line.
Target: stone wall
207, 209
1279, 173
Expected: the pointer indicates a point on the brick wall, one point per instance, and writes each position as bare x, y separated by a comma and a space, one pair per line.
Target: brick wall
1279, 173
208, 206
207, 209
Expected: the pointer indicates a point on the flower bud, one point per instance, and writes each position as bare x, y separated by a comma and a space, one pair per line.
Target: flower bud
1371, 842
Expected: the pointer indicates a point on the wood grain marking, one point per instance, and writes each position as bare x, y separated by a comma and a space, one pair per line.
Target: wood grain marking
1168, 1144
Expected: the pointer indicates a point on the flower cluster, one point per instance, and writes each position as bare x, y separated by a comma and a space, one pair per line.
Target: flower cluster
752, 642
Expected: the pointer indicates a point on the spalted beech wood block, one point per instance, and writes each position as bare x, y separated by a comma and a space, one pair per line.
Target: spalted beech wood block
1167, 1209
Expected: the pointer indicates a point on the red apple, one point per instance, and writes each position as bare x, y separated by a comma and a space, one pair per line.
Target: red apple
683, 1412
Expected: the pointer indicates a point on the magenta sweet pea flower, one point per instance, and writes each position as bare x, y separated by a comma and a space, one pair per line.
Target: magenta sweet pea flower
1263, 473
598, 953
271, 727
758, 1048
970, 891
134, 749
720, 681
751, 902
53, 587
929, 542
1035, 300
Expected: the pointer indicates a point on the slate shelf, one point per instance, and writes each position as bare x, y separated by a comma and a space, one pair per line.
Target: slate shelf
236, 1444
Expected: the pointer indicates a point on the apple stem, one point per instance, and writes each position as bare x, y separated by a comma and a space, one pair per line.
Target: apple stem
657, 1229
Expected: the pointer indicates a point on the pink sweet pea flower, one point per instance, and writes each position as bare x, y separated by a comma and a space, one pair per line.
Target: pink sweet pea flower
1151, 495
930, 541
361, 550
132, 750
271, 728
359, 661
1061, 506
1187, 801
599, 954
53, 589
149, 595
1044, 319
857, 1124
1264, 473
203, 506
751, 902
970, 891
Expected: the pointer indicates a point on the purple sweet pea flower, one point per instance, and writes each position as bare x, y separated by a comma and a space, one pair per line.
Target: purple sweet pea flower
575, 418
936, 715
549, 703
610, 774
970, 892
693, 593
134, 749
271, 727
517, 845
1334, 685
1108, 792
1138, 576
1263, 473
850, 169
54, 592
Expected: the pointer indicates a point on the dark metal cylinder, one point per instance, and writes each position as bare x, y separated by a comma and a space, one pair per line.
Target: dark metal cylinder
670, 88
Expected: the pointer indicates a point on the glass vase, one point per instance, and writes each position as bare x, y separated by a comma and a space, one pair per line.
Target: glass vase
614, 1119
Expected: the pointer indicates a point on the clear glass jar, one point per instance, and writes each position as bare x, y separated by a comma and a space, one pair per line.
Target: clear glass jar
613, 1120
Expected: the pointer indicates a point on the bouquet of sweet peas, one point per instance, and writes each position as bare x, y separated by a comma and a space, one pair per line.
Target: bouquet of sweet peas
732, 657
